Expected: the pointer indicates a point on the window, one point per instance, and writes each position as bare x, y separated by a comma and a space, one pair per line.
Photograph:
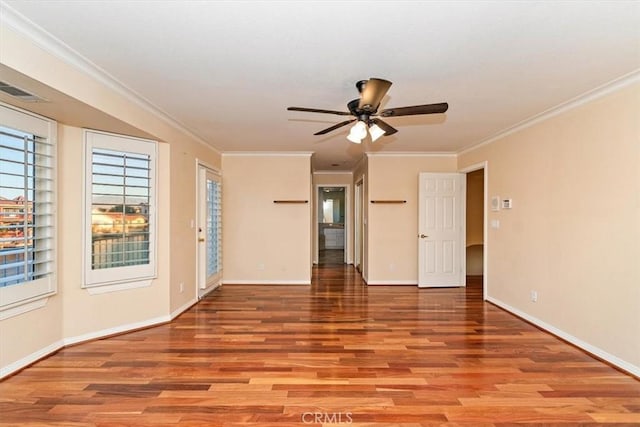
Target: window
214, 227
209, 227
120, 208
27, 207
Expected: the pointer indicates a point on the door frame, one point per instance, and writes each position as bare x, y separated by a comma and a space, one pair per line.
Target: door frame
485, 228
358, 228
347, 217
195, 225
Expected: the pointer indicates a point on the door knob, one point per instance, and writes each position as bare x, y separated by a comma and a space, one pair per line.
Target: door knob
201, 239
422, 236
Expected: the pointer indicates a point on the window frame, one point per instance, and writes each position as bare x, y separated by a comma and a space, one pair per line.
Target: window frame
24, 296
118, 278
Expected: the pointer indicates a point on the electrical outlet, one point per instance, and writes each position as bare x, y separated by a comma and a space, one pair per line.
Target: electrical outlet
534, 296
181, 287
261, 266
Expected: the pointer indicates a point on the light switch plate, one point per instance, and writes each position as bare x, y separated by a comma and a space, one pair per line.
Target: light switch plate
495, 203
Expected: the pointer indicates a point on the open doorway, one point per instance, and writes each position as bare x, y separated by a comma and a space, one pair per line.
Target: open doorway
475, 230
331, 231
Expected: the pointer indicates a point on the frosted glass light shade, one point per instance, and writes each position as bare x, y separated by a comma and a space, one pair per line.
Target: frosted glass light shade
358, 132
376, 132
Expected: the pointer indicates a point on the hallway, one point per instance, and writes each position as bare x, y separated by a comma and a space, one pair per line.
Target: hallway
280, 355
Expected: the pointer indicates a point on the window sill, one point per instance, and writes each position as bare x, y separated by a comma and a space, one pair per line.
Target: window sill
117, 287
24, 307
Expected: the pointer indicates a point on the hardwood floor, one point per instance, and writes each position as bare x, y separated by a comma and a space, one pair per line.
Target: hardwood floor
337, 353
330, 257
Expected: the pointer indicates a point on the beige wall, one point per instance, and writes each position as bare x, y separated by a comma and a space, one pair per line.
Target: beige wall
73, 314
183, 168
265, 242
574, 231
393, 228
84, 314
35, 333
329, 179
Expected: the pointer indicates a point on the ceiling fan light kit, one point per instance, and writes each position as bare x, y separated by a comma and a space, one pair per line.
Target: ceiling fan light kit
358, 132
376, 132
365, 111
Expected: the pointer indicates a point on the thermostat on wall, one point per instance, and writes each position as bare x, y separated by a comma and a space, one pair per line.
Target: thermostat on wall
507, 204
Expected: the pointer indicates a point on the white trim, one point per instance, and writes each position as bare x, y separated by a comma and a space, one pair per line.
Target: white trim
614, 360
116, 330
25, 293
29, 359
215, 170
123, 274
411, 154
50, 349
23, 307
57, 48
393, 282
572, 103
348, 258
266, 282
267, 154
202, 171
178, 311
203, 292
117, 287
324, 172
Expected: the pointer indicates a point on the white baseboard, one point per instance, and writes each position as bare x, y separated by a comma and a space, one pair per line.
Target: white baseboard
116, 330
203, 292
50, 349
614, 360
28, 360
393, 282
266, 282
178, 311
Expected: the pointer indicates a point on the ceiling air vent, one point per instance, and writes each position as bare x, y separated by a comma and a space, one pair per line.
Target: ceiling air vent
18, 93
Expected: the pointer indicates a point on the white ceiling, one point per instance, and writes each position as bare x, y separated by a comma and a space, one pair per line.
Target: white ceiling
228, 70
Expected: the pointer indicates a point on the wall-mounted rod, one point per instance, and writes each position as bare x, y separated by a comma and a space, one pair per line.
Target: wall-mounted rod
290, 201
389, 201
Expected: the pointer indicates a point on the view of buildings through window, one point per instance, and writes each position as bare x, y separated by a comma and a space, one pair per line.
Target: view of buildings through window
18, 218
119, 209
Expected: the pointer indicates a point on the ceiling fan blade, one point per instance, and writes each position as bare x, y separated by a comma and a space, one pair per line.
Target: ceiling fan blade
315, 110
414, 110
334, 127
373, 92
388, 129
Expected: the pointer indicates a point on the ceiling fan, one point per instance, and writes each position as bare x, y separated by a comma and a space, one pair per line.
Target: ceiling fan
365, 111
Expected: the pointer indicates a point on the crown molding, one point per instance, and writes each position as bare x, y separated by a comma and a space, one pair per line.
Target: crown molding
267, 153
591, 95
411, 154
49, 43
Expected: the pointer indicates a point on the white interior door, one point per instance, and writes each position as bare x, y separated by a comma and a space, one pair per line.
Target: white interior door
441, 230
209, 229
